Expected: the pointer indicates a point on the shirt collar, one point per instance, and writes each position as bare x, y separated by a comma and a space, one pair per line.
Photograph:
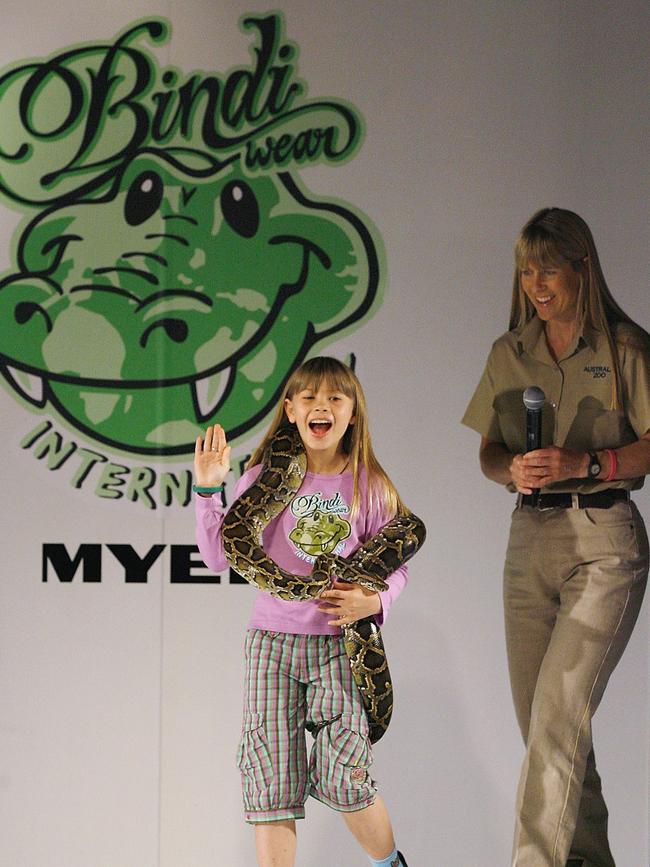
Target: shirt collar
531, 340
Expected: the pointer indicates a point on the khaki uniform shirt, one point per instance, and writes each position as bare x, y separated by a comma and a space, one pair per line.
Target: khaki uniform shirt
577, 413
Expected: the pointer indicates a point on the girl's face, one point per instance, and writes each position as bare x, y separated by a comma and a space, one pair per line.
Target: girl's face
552, 290
321, 415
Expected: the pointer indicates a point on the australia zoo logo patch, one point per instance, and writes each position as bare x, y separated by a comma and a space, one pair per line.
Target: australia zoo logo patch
597, 371
171, 268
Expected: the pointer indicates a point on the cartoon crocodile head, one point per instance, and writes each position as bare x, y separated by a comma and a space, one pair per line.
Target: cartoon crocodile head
175, 300
319, 533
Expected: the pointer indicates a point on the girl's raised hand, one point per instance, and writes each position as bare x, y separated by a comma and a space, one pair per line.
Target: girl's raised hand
211, 458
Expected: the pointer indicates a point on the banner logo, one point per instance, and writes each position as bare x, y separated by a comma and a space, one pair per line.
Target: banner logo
171, 269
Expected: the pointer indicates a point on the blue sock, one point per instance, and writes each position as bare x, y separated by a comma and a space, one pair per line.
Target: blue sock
393, 860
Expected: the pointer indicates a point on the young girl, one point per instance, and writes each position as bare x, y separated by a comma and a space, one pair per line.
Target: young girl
297, 673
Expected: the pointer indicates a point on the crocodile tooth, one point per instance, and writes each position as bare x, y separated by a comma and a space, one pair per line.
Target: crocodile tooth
208, 392
29, 385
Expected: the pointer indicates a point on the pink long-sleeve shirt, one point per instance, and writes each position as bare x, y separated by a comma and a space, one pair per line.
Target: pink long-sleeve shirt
318, 519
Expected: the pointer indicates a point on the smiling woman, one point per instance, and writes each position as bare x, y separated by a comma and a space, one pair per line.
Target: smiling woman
553, 290
577, 560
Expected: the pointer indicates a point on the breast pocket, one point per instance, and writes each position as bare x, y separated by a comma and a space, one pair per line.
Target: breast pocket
595, 426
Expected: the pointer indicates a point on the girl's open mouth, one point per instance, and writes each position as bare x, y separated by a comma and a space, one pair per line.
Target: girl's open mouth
320, 428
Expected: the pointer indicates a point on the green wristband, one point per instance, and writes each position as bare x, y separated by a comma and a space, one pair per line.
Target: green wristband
202, 489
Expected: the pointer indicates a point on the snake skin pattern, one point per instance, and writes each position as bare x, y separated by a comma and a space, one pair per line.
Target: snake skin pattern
283, 470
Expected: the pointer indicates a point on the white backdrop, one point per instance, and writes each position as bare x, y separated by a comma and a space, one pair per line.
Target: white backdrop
120, 708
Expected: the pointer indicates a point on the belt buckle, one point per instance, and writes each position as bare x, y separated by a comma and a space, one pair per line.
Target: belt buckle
520, 504
541, 508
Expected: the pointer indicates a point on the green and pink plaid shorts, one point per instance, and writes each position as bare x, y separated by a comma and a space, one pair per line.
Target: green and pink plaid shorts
296, 683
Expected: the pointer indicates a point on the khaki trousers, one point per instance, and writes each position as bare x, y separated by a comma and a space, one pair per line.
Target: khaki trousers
573, 585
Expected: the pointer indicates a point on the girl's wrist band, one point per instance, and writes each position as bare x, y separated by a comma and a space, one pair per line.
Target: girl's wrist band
613, 465
202, 489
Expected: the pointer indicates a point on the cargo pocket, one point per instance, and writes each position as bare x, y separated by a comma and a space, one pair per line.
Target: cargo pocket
254, 760
351, 747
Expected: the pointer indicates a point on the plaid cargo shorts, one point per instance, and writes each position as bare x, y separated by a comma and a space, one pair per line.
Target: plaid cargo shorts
296, 683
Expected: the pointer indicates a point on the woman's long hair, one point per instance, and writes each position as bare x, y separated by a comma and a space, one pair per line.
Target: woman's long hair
554, 236
357, 445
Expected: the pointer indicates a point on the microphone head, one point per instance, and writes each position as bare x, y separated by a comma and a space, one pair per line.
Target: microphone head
534, 398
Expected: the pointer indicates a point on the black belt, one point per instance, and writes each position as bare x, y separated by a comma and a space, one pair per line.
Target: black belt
599, 500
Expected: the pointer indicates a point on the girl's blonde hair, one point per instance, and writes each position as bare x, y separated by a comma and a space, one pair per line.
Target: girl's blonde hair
382, 494
554, 236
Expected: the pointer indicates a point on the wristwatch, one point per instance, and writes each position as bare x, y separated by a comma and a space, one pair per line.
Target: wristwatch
594, 468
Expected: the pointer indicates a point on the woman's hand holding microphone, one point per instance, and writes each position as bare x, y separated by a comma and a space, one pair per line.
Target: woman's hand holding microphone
540, 467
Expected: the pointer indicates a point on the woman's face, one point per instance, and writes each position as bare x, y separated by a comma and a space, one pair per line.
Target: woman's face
552, 290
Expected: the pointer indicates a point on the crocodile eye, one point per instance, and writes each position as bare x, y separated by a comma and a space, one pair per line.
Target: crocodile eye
25, 310
240, 209
143, 198
175, 329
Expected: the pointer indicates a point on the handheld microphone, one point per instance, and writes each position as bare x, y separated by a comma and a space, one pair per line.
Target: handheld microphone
534, 399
